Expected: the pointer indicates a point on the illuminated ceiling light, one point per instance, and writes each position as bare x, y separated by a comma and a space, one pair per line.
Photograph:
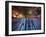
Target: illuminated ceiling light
30, 12
20, 16
16, 13
14, 16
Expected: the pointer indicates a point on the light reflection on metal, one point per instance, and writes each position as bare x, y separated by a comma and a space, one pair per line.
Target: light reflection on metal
27, 24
